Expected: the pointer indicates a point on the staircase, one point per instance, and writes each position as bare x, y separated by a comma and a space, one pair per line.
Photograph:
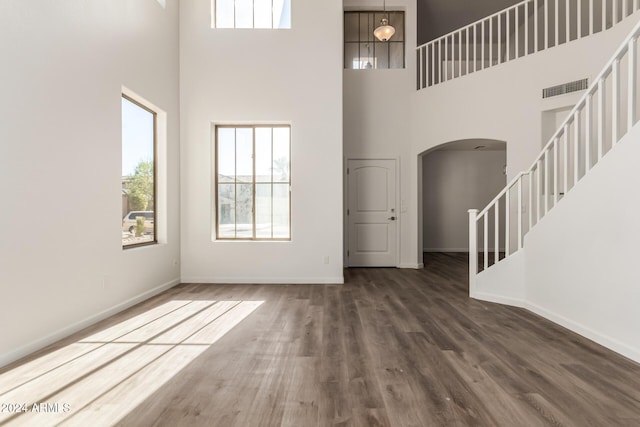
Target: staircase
577, 266
604, 114
520, 30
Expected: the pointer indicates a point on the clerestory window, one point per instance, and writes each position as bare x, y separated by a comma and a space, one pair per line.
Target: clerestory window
362, 50
274, 14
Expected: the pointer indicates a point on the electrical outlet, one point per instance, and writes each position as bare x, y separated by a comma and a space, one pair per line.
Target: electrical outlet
325, 260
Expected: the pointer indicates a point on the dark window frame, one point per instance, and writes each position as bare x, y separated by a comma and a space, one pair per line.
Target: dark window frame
371, 38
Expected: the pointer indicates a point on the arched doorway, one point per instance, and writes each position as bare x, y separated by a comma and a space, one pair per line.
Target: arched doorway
453, 178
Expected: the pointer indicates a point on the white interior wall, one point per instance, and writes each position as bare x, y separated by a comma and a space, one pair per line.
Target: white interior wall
372, 131
265, 76
551, 121
64, 64
504, 103
454, 181
580, 262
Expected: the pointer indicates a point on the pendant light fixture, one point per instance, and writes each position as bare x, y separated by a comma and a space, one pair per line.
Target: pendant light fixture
385, 31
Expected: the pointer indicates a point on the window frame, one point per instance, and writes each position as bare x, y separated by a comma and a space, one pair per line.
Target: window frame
253, 238
214, 9
155, 171
373, 40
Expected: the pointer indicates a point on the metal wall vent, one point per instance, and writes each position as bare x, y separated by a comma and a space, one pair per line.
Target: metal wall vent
565, 88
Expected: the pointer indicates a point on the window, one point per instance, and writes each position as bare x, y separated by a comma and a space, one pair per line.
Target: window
251, 14
139, 124
252, 182
363, 51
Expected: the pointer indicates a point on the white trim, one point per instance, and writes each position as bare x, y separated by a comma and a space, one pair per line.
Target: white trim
266, 280
411, 265
446, 249
53, 337
498, 299
480, 250
597, 337
399, 210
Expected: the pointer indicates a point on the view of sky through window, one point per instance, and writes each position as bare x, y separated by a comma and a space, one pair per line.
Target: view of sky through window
252, 14
137, 136
138, 174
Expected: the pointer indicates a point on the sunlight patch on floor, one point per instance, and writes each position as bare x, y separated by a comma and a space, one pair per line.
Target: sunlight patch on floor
106, 375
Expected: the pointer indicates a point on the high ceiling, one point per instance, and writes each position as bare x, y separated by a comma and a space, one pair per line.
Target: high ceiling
439, 17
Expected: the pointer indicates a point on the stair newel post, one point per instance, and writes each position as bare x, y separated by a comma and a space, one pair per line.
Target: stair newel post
473, 250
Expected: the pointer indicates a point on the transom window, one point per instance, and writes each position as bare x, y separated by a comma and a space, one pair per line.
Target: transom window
253, 182
251, 14
363, 51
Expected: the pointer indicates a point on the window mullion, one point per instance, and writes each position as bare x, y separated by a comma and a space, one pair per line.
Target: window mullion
289, 181
235, 184
253, 179
239, 158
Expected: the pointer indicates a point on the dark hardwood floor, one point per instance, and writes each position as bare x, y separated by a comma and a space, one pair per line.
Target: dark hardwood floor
389, 348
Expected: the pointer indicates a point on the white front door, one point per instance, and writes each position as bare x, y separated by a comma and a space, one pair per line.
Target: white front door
372, 214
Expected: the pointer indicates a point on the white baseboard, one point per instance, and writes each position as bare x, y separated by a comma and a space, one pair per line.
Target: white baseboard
266, 280
415, 266
612, 344
605, 341
497, 299
40, 343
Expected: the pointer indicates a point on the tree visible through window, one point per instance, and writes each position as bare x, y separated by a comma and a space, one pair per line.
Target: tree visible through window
138, 173
253, 182
251, 14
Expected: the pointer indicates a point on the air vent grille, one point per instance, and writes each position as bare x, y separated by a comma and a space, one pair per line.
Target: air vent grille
565, 88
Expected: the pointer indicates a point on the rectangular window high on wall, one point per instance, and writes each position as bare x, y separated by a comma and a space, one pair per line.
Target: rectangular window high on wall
362, 50
253, 182
139, 128
251, 14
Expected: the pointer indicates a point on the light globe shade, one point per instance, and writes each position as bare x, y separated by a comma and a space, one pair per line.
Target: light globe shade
385, 31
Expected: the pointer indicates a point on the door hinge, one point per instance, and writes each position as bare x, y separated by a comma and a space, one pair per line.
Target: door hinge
347, 252
347, 211
347, 171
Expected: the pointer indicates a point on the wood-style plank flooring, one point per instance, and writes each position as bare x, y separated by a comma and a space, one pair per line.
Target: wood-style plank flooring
389, 348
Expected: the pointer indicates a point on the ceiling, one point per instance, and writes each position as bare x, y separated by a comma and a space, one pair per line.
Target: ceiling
439, 17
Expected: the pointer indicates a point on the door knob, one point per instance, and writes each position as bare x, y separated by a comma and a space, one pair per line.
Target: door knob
393, 218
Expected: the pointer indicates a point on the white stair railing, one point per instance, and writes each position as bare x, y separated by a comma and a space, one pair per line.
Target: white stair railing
520, 30
605, 113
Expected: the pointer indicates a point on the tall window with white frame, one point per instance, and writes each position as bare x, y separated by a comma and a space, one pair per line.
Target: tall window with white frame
253, 182
275, 14
139, 128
